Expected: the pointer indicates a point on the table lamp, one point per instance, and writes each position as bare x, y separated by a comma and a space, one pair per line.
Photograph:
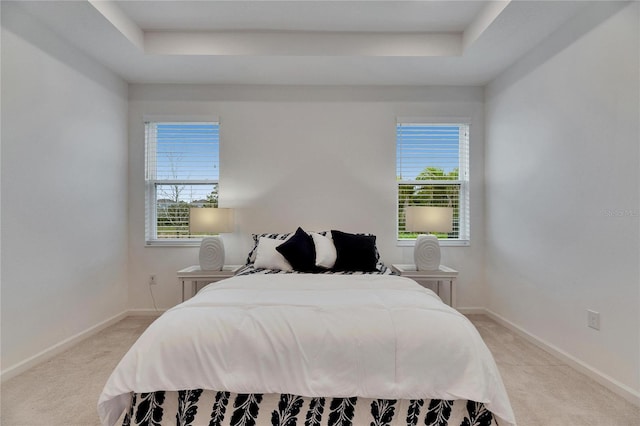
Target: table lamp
211, 220
426, 253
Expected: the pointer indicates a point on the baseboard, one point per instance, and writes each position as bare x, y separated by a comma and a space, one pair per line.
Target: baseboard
472, 311
145, 312
608, 382
58, 348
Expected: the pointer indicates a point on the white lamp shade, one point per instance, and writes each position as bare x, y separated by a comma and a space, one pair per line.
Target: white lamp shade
210, 220
429, 219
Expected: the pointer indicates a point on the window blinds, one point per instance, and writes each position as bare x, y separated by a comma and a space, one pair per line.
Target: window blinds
182, 151
182, 168
432, 168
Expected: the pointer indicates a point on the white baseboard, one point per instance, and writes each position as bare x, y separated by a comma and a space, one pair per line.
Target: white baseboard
472, 311
58, 348
145, 312
608, 382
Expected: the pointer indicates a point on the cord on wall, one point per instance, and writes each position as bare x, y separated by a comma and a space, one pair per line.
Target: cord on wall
153, 297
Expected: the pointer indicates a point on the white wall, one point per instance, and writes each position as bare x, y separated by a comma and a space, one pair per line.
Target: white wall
64, 190
320, 158
562, 192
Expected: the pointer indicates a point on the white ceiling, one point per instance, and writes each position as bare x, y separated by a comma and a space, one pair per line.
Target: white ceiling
305, 42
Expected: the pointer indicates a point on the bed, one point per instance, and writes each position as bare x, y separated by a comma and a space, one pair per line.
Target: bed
277, 347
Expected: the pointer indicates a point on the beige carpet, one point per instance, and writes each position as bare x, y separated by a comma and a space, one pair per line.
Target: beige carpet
543, 391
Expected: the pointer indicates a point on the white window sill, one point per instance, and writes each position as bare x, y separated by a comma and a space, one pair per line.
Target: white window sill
173, 243
443, 243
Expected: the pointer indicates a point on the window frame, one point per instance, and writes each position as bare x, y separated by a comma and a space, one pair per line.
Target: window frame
151, 184
464, 230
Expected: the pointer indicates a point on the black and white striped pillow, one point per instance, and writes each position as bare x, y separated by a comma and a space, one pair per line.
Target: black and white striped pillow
251, 257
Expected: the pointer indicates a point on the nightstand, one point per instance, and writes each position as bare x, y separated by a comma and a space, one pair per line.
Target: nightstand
421, 277
195, 275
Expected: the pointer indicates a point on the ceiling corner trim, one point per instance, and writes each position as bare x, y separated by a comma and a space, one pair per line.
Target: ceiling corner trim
483, 21
120, 21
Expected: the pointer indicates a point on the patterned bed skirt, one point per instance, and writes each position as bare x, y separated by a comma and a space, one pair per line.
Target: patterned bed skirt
198, 407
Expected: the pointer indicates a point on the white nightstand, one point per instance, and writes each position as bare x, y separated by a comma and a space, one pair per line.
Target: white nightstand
195, 275
443, 274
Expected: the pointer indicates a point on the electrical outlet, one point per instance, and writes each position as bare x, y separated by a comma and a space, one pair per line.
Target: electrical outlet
593, 319
152, 279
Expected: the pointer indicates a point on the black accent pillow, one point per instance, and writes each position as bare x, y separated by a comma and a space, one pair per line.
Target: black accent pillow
299, 251
356, 252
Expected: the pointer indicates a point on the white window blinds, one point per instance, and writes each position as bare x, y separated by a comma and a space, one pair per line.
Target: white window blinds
182, 168
432, 168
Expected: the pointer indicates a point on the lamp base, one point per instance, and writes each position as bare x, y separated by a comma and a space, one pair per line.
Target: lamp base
426, 253
211, 254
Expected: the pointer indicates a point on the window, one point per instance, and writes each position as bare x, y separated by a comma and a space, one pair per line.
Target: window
432, 167
181, 171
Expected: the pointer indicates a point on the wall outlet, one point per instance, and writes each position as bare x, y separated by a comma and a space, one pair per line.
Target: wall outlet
152, 279
593, 319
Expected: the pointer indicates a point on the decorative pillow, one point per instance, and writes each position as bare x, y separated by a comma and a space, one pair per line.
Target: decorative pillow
325, 250
299, 251
355, 252
251, 257
268, 257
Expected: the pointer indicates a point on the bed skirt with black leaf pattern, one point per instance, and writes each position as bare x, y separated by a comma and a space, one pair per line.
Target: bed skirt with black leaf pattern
198, 407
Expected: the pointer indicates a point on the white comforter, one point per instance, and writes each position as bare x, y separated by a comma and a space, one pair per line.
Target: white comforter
370, 336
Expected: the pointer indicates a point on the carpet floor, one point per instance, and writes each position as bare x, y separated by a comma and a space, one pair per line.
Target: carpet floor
543, 391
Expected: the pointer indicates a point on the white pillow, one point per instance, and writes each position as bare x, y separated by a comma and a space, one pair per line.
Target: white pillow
268, 257
326, 254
